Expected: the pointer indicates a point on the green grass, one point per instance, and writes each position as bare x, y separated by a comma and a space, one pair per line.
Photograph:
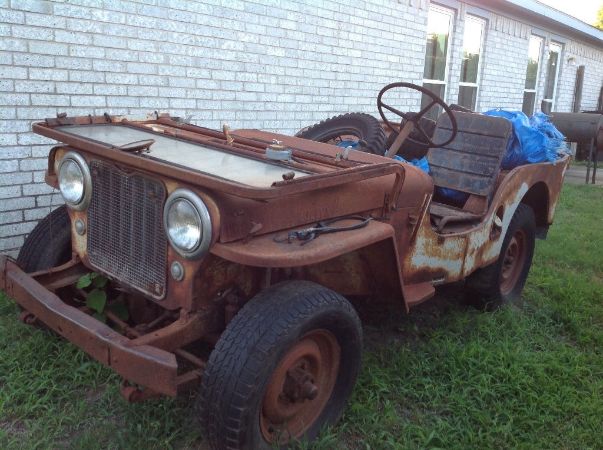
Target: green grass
447, 376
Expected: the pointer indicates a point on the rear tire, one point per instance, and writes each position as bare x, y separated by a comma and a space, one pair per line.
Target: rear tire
362, 126
503, 281
252, 395
49, 243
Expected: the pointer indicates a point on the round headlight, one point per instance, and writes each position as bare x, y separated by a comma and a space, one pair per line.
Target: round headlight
71, 181
187, 223
184, 225
74, 180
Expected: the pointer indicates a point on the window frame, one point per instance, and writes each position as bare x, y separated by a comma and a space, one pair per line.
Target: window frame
452, 14
552, 100
538, 71
483, 24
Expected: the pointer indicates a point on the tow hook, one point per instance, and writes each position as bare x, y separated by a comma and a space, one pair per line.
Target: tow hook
27, 318
133, 394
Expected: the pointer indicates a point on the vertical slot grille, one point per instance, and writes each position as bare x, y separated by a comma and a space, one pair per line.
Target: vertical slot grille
126, 239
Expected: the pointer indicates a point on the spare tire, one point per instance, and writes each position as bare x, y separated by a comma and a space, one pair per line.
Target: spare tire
364, 127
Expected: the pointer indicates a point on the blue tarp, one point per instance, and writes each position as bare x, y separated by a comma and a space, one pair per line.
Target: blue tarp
534, 140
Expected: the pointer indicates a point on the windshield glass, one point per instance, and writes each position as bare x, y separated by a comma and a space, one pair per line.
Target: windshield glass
195, 156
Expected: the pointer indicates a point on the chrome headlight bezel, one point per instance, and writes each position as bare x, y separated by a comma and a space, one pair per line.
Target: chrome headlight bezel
84, 200
205, 225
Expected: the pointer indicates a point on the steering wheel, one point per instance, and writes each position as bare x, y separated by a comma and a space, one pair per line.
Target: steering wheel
411, 121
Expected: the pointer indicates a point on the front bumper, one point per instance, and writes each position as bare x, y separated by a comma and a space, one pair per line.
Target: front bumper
144, 365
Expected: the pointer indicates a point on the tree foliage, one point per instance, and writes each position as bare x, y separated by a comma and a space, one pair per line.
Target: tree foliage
599, 21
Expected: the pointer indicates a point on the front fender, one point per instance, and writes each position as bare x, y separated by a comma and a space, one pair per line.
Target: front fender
265, 251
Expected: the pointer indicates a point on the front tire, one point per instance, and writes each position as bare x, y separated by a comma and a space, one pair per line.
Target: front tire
283, 368
49, 243
503, 281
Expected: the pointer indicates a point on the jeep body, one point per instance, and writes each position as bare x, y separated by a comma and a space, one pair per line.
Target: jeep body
253, 211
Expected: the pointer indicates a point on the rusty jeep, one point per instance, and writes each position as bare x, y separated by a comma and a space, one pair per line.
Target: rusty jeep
234, 252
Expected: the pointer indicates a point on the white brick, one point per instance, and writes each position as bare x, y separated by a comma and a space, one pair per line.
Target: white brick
35, 113
86, 77
72, 37
27, 32
121, 78
8, 113
7, 85
34, 86
13, 45
110, 41
8, 139
11, 217
48, 74
10, 191
68, 62
15, 229
74, 88
31, 139
33, 164
88, 101
26, 59
12, 204
121, 55
14, 126
141, 68
110, 89
37, 189
45, 20
7, 179
86, 51
8, 16
10, 243
47, 48
50, 99
36, 213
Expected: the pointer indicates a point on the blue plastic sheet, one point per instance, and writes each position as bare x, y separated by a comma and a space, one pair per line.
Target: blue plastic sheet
534, 140
349, 143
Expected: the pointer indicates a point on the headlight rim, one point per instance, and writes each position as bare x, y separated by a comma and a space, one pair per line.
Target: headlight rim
87, 180
206, 224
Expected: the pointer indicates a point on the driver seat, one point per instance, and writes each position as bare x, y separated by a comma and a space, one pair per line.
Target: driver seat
470, 163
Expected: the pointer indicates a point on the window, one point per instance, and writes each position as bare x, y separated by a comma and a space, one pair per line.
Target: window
472, 48
552, 74
529, 92
439, 24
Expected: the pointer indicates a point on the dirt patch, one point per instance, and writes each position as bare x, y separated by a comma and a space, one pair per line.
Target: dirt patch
14, 427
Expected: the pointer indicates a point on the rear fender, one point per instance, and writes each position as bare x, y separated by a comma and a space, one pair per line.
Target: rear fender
444, 258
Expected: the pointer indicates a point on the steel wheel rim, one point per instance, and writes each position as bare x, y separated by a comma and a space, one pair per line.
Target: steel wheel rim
300, 387
513, 262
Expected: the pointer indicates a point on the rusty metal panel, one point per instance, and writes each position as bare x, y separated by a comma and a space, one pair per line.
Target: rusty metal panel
144, 365
126, 238
471, 162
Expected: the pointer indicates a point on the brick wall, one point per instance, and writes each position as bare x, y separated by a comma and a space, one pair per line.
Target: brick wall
276, 68
270, 65
504, 71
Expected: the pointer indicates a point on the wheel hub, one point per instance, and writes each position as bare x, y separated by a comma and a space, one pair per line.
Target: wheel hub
513, 262
299, 384
300, 387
